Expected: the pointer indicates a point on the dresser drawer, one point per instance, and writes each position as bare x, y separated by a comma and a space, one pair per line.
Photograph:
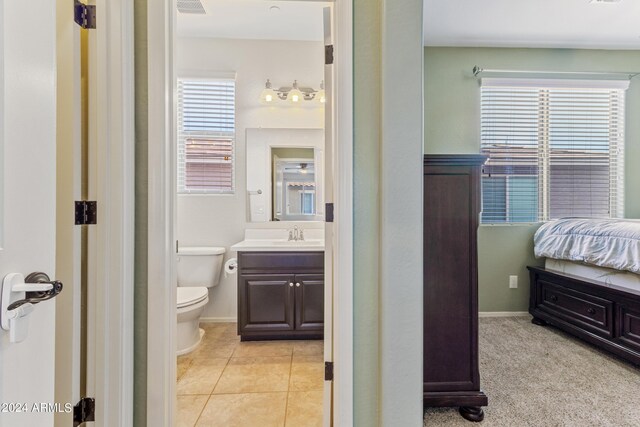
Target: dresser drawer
587, 311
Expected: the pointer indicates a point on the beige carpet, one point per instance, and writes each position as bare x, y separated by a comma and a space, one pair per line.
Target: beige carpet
540, 376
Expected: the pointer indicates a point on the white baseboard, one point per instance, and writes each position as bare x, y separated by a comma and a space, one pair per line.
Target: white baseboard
503, 314
218, 320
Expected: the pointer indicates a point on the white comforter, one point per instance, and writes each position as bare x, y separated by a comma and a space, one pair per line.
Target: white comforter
611, 243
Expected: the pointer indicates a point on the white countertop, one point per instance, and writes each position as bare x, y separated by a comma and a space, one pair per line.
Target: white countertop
276, 240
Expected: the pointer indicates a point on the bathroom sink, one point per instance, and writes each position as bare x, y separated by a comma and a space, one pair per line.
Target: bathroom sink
294, 243
274, 240
266, 245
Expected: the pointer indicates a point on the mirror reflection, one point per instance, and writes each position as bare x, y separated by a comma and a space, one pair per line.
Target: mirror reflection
293, 184
284, 174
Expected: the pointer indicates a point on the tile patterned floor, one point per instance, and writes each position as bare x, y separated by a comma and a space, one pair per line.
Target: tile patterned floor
230, 383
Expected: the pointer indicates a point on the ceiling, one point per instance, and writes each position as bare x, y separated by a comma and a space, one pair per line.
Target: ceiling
253, 19
500, 23
532, 23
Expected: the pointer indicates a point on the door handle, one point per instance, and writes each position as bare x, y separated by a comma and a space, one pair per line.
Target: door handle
19, 297
37, 288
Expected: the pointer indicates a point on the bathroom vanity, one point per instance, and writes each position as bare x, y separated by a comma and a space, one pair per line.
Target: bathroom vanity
280, 287
280, 295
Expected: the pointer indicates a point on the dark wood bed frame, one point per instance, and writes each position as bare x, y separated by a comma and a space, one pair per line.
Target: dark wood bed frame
604, 315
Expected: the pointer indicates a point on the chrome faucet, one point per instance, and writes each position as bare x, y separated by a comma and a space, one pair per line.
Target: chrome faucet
296, 234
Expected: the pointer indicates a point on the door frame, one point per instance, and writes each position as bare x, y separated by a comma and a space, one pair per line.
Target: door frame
161, 357
110, 262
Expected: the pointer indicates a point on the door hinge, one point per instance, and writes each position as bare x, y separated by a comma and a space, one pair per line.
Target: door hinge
84, 14
328, 371
84, 411
328, 54
86, 212
328, 209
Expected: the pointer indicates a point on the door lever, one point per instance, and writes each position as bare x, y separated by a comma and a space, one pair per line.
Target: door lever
19, 296
36, 294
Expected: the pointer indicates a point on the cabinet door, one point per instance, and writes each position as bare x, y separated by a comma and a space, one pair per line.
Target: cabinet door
265, 302
309, 302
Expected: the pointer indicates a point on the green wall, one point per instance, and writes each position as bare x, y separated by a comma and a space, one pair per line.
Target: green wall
452, 122
366, 209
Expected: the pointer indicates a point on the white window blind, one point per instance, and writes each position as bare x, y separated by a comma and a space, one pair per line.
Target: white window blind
555, 149
206, 136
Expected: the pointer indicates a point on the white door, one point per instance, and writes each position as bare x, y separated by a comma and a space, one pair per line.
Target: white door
28, 198
329, 229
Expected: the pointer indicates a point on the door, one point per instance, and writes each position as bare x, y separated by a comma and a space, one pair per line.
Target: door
28, 195
309, 302
329, 230
265, 302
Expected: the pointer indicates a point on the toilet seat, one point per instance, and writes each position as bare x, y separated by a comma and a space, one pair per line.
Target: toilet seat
190, 296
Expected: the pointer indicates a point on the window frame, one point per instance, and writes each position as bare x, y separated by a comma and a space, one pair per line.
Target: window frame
544, 174
205, 76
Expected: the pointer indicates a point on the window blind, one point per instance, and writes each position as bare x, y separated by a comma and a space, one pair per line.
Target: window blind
553, 150
206, 136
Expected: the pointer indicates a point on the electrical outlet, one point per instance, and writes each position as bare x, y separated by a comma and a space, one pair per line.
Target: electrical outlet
513, 282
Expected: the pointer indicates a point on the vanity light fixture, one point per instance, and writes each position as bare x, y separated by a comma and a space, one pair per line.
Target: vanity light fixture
268, 95
321, 97
295, 94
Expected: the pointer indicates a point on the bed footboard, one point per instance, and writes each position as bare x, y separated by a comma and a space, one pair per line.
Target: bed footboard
603, 315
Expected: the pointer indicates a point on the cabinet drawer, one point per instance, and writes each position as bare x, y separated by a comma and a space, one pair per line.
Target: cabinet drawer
628, 325
587, 311
274, 261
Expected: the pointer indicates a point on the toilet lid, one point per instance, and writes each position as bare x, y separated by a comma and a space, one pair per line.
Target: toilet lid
190, 296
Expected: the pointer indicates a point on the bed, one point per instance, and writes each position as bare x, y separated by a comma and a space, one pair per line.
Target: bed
590, 283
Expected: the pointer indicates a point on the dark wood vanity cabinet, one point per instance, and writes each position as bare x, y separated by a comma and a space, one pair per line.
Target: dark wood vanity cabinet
280, 295
452, 203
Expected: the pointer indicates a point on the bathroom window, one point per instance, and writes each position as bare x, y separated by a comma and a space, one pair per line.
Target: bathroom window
555, 149
307, 200
206, 136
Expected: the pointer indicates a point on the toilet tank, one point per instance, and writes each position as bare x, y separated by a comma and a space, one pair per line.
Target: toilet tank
200, 266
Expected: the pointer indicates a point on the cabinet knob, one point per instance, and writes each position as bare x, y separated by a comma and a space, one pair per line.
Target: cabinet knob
591, 310
553, 298
291, 284
297, 285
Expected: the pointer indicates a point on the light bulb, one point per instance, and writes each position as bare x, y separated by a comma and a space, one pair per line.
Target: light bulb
295, 95
268, 94
321, 96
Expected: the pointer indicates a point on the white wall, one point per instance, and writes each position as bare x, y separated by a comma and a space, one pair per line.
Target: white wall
220, 220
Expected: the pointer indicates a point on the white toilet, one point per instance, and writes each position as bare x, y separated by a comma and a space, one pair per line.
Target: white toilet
198, 270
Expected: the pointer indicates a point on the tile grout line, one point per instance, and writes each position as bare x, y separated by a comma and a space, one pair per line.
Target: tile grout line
201, 411
214, 387
286, 405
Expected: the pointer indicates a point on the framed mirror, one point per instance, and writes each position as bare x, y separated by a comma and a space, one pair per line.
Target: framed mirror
285, 174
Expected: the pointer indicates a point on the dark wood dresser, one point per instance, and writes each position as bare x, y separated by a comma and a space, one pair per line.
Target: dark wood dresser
452, 203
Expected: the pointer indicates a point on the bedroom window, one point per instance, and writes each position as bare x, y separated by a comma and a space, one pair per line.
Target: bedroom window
206, 136
555, 148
